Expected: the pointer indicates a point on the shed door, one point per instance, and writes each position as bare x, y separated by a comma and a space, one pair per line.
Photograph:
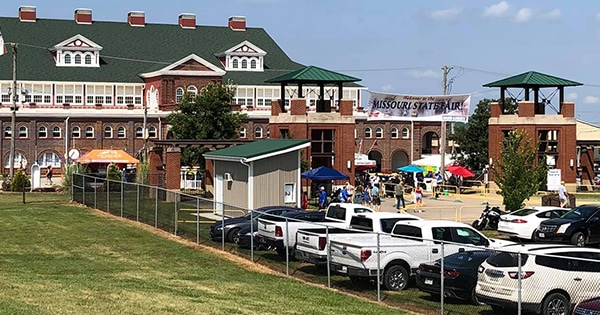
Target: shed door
219, 194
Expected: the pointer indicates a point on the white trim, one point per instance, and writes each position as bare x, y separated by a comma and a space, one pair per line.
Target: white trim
221, 158
231, 51
62, 45
251, 186
264, 156
299, 192
168, 69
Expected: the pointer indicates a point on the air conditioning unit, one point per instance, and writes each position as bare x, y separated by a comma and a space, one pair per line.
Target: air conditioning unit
227, 177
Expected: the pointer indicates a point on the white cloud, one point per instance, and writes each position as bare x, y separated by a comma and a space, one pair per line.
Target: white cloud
524, 15
591, 100
552, 15
445, 14
496, 10
387, 88
572, 96
425, 74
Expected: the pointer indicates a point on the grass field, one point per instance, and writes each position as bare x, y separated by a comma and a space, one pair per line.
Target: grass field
58, 258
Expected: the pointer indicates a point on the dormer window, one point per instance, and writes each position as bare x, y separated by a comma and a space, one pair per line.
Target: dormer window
77, 51
243, 57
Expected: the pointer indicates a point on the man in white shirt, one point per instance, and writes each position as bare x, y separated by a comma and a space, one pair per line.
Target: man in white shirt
563, 195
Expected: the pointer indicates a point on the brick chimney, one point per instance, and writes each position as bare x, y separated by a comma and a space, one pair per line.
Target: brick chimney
237, 23
27, 14
136, 18
83, 16
187, 20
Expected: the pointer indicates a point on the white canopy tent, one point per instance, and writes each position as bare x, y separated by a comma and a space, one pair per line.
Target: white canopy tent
433, 160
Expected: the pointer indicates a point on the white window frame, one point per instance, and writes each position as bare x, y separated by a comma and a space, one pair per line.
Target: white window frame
394, 133
23, 132
405, 133
49, 158
129, 94
69, 94
38, 93
18, 161
108, 132
243, 133
139, 132
76, 132
99, 94
42, 132
54, 131
368, 132
264, 96
258, 132
244, 96
378, 132
7, 132
152, 132
89, 132
121, 132
178, 95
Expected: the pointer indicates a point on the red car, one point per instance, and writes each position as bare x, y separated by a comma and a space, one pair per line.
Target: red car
588, 307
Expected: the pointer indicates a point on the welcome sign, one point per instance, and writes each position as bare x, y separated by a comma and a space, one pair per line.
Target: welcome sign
419, 107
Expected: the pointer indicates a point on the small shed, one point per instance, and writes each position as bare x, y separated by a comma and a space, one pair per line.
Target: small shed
257, 174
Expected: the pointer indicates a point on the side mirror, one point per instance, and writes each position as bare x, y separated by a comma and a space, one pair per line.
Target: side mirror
594, 220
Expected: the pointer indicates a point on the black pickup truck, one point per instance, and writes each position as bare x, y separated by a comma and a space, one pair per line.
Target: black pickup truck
580, 226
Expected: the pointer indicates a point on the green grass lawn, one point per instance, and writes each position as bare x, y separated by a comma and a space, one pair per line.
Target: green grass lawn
58, 258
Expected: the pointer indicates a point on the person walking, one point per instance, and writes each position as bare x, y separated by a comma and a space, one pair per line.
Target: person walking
367, 196
419, 196
304, 200
563, 195
322, 198
49, 175
400, 195
375, 200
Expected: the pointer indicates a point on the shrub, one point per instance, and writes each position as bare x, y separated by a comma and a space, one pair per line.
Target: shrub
20, 182
68, 170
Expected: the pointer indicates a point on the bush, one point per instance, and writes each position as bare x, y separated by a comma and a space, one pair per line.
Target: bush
68, 170
20, 182
114, 178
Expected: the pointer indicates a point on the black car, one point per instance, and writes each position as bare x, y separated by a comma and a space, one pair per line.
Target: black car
233, 225
579, 227
460, 275
243, 236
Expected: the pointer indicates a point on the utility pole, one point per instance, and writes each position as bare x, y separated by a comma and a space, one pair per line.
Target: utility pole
13, 123
446, 70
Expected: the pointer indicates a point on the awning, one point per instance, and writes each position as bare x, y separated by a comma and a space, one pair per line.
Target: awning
107, 156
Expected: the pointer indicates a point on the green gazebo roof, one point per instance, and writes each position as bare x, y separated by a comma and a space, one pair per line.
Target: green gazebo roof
312, 74
258, 149
532, 79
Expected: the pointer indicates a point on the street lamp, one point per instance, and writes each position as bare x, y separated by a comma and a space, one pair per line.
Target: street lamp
13, 93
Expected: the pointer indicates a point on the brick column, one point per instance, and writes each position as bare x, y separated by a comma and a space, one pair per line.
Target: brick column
173, 168
155, 166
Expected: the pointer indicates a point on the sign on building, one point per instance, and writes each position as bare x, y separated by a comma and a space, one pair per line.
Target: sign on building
553, 178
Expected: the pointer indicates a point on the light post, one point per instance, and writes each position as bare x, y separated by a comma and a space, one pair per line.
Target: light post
13, 124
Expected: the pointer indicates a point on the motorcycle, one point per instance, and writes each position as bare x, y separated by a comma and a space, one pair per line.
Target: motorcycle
489, 218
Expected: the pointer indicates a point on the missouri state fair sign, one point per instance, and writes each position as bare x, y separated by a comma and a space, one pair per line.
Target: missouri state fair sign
419, 107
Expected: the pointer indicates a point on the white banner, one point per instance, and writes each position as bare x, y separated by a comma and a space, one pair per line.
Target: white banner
553, 177
419, 107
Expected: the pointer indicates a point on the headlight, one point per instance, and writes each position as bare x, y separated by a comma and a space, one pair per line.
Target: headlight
563, 228
219, 228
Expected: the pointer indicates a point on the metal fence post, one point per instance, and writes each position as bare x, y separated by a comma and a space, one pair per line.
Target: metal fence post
156, 209
328, 256
83, 197
137, 202
519, 262
286, 245
122, 197
442, 281
197, 220
176, 218
95, 193
107, 195
251, 240
378, 269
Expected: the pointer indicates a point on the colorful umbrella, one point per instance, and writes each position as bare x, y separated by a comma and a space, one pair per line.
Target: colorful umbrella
411, 169
460, 171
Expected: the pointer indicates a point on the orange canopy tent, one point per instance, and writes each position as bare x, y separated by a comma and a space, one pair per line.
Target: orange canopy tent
107, 156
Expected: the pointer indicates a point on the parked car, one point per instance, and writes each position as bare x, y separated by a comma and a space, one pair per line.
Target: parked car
553, 277
579, 227
460, 275
244, 235
232, 225
522, 223
588, 307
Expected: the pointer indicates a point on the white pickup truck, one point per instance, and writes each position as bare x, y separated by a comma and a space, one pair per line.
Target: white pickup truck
311, 242
273, 232
400, 253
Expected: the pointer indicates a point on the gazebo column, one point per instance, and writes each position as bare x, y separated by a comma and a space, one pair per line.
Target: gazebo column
282, 104
300, 92
561, 98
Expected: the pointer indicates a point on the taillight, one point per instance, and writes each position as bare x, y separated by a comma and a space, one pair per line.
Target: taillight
364, 255
421, 267
451, 273
278, 231
322, 243
518, 221
524, 274
481, 269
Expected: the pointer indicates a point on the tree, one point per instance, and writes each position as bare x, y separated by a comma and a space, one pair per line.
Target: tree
472, 138
517, 174
205, 116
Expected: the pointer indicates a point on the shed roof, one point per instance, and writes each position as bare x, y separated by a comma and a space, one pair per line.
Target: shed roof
532, 79
257, 150
312, 74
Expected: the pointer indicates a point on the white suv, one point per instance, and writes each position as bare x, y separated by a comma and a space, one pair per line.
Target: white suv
553, 278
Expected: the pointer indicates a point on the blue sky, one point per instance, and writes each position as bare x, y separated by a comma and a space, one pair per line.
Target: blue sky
400, 46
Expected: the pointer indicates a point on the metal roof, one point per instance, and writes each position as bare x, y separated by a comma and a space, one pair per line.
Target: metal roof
257, 150
532, 79
312, 74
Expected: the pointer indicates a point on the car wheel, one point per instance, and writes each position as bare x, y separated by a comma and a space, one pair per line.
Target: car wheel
556, 303
578, 239
281, 251
395, 278
232, 233
474, 299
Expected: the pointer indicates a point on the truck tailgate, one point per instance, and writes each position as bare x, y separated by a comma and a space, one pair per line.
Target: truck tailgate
266, 228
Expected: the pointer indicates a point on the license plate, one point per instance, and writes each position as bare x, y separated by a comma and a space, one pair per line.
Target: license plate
428, 281
494, 279
541, 234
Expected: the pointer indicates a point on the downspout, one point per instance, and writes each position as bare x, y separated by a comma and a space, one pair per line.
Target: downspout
250, 183
159, 128
67, 138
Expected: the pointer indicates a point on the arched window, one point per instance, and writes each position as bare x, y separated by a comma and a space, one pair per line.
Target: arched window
89, 132
368, 132
258, 132
88, 59
76, 132
121, 132
405, 133
18, 162
152, 132
42, 132
243, 133
244, 64
234, 63
56, 132
192, 90
77, 59
67, 58
253, 64
178, 95
379, 132
139, 132
7, 132
22, 132
394, 132
49, 158
108, 132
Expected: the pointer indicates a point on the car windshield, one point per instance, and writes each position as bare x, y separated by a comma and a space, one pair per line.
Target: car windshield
467, 258
579, 213
523, 212
506, 259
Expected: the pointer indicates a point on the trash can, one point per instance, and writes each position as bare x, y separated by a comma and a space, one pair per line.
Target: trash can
552, 200
446, 192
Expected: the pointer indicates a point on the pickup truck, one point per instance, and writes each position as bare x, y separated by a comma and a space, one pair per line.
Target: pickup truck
273, 231
400, 253
311, 242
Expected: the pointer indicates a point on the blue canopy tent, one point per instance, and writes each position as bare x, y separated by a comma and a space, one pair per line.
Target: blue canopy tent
324, 173
411, 169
